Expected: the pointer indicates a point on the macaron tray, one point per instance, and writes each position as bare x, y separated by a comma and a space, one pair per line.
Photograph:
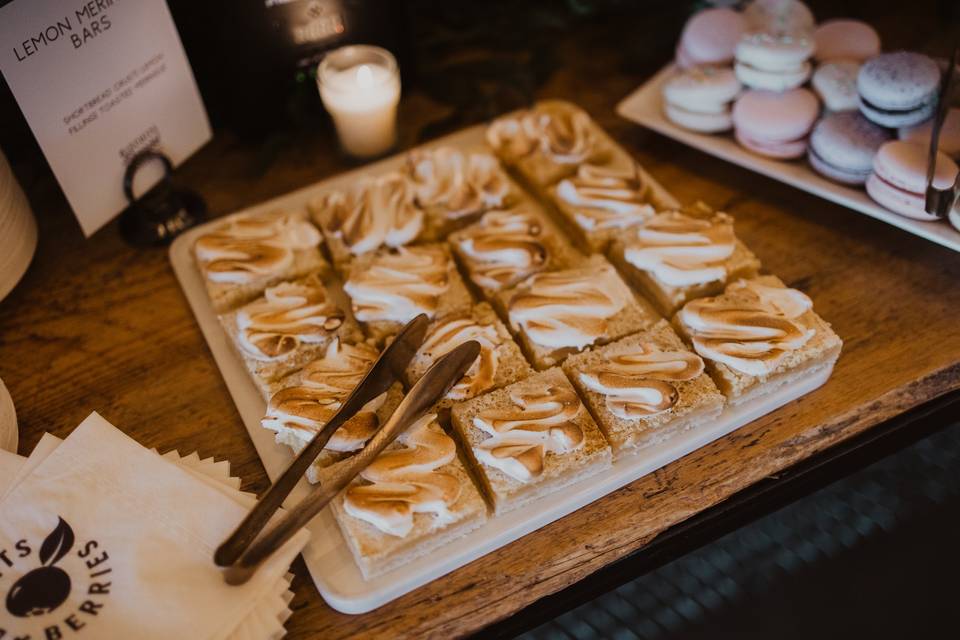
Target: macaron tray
817, 106
329, 556
645, 107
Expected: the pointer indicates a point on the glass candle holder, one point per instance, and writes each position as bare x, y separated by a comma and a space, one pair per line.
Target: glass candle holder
360, 87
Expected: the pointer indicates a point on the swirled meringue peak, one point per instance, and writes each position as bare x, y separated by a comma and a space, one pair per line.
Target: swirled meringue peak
247, 248
680, 250
540, 422
637, 384
503, 248
451, 333
407, 480
750, 328
561, 133
606, 198
399, 285
288, 315
376, 212
569, 308
457, 184
325, 383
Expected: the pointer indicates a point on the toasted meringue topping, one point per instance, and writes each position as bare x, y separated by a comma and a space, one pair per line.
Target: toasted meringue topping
407, 480
503, 248
562, 134
458, 185
569, 308
325, 383
289, 314
401, 285
637, 384
453, 332
681, 250
541, 422
750, 328
247, 248
604, 198
376, 212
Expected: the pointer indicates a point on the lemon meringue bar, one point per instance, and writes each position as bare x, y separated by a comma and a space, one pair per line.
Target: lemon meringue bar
454, 187
507, 246
413, 498
286, 327
562, 312
302, 402
247, 253
530, 439
758, 336
500, 361
390, 287
374, 212
601, 202
677, 256
645, 388
547, 142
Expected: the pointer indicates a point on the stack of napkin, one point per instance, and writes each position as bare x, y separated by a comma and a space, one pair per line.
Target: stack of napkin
102, 538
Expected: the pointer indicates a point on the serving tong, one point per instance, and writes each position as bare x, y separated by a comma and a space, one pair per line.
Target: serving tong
242, 552
939, 202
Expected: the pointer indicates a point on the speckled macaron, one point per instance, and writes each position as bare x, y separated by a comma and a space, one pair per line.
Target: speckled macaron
842, 146
710, 38
836, 84
773, 62
779, 17
949, 133
845, 40
899, 178
775, 124
898, 89
700, 98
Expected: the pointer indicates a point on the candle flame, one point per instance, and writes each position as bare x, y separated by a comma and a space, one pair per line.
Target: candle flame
364, 77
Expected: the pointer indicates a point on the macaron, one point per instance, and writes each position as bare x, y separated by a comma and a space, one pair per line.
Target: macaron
898, 89
836, 84
779, 17
845, 40
949, 133
773, 62
775, 124
899, 178
710, 37
700, 98
842, 146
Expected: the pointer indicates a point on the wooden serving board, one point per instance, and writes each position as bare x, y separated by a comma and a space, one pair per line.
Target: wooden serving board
327, 556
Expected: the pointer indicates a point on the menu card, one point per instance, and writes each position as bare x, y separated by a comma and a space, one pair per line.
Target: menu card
99, 81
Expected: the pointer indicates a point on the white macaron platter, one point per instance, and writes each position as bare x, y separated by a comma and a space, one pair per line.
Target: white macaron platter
815, 106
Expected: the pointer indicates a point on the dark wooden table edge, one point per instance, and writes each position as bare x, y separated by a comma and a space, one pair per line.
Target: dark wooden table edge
759, 499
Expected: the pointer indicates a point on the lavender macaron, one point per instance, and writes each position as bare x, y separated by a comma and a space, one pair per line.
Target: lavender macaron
898, 89
899, 178
842, 146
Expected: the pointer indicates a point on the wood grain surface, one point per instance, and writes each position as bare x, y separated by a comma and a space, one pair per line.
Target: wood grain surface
98, 325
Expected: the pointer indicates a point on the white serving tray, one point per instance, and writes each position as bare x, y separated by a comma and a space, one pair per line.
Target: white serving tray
327, 556
644, 106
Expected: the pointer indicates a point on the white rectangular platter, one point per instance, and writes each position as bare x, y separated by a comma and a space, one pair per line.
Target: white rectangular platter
327, 556
644, 106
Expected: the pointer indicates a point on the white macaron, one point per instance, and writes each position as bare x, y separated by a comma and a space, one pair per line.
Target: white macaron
700, 98
773, 62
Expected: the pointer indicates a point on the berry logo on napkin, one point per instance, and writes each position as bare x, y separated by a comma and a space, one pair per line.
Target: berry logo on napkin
101, 538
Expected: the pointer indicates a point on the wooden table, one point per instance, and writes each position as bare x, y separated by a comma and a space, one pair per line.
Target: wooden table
98, 325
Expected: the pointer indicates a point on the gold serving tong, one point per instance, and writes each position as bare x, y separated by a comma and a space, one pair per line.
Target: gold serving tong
939, 202
240, 554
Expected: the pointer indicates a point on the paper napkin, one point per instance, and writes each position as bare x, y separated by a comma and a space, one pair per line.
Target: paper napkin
101, 538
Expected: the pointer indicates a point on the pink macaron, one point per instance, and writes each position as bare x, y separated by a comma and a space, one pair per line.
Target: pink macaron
775, 124
710, 37
899, 178
845, 40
